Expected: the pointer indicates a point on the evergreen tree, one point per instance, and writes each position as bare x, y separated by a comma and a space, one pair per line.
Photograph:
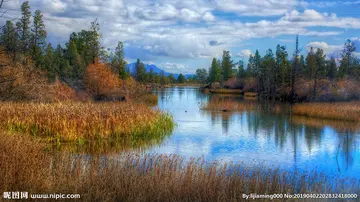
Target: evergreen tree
311, 65
94, 39
348, 60
214, 72
241, 70
49, 62
9, 38
140, 71
118, 62
267, 75
172, 79
226, 66
38, 37
295, 69
23, 28
202, 75
75, 60
282, 65
332, 69
181, 78
319, 69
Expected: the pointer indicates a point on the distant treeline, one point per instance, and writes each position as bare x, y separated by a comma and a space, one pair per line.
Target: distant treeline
276, 76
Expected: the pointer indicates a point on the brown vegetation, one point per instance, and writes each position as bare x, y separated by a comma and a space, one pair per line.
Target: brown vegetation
100, 80
339, 125
82, 121
227, 104
25, 166
348, 111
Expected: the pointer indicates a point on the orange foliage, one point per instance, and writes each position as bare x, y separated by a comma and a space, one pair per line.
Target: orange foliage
99, 80
62, 92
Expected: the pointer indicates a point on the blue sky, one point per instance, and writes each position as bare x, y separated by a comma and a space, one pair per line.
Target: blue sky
183, 35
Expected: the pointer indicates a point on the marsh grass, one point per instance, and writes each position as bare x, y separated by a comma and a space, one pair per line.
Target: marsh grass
339, 125
80, 122
226, 91
130, 177
348, 111
149, 99
227, 104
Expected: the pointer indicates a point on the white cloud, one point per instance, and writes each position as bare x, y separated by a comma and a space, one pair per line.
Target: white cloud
329, 50
256, 8
174, 67
244, 53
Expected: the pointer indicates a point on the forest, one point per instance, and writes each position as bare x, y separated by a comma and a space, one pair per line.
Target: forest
282, 76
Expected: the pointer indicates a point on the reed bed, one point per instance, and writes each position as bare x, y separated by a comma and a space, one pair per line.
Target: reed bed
227, 104
348, 111
226, 91
339, 125
80, 122
130, 177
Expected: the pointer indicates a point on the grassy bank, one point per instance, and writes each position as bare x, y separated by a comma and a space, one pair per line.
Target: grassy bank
71, 121
25, 166
348, 111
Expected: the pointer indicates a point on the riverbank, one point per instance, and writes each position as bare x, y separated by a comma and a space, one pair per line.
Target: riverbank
26, 166
81, 122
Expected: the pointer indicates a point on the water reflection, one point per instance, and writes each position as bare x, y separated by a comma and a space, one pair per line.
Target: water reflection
265, 134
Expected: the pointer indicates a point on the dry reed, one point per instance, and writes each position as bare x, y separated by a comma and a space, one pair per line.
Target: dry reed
130, 177
348, 111
82, 121
227, 104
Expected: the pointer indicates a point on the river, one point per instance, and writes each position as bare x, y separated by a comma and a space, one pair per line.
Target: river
257, 137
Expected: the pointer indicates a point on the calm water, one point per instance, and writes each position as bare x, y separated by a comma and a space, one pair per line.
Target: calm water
257, 137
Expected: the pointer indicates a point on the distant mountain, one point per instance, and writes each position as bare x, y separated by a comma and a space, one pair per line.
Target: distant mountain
155, 69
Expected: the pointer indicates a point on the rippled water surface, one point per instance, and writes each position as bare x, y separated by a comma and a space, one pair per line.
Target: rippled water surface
258, 136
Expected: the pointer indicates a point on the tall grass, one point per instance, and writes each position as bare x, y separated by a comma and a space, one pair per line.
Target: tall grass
86, 121
227, 104
348, 111
130, 177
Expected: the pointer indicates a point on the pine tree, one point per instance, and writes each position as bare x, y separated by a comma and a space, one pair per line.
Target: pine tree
140, 71
241, 70
295, 69
49, 62
181, 78
319, 70
9, 39
23, 28
311, 64
226, 66
332, 69
214, 72
75, 60
118, 62
348, 60
38, 37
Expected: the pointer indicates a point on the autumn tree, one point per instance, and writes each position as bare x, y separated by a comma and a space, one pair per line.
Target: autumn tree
99, 80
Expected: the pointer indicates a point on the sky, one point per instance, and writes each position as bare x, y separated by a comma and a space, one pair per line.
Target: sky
181, 36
